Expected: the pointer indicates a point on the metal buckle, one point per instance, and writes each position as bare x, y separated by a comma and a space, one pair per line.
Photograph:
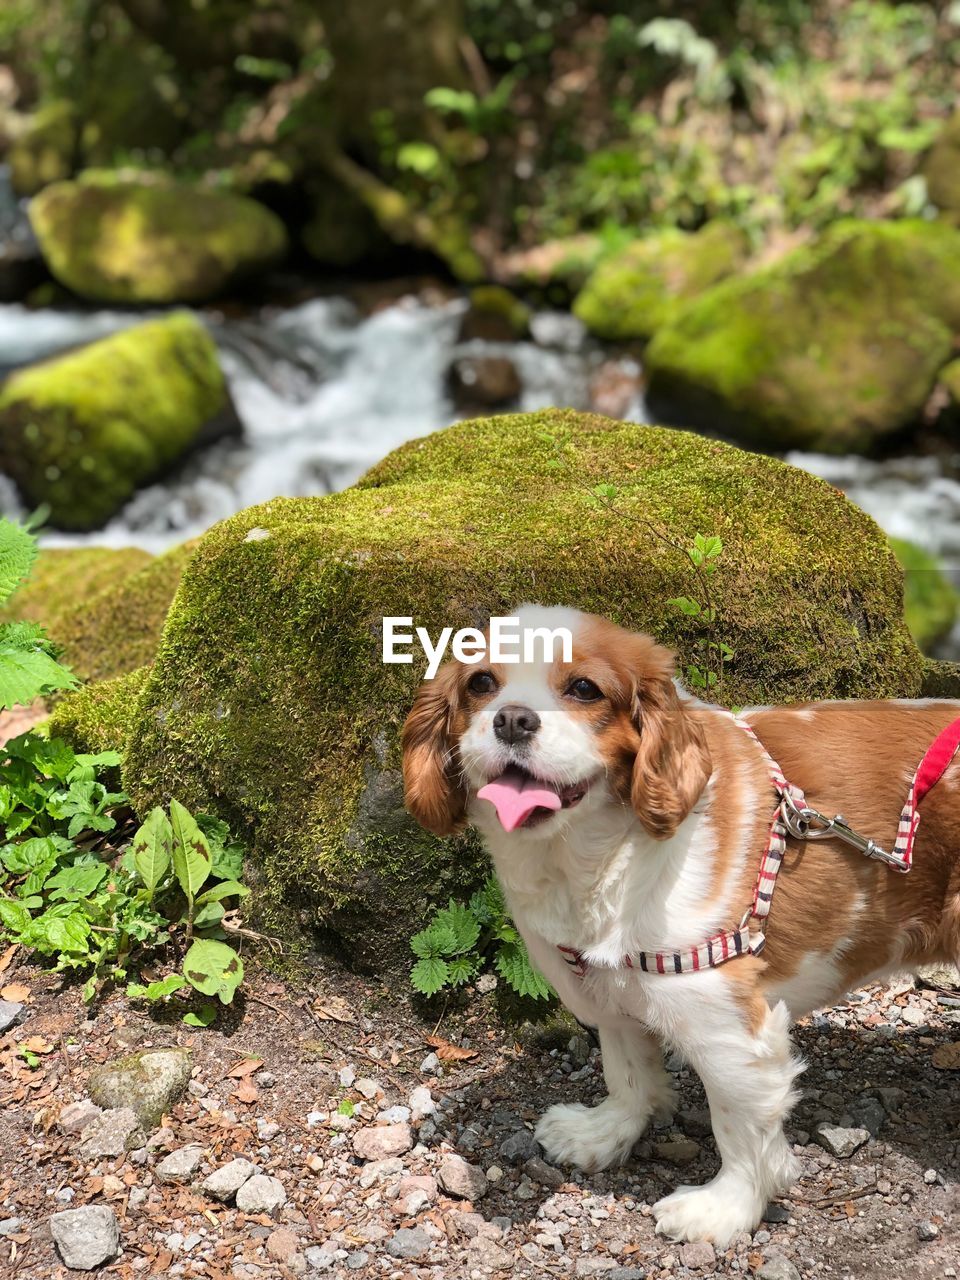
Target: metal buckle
798, 822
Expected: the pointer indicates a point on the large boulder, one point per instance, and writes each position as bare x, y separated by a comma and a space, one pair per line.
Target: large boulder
82, 432
834, 348
152, 242
634, 293
941, 168
268, 701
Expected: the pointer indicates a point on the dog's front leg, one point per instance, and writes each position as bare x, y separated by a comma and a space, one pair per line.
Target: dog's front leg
637, 1087
749, 1083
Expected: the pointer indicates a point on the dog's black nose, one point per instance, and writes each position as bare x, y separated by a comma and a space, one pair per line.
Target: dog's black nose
514, 723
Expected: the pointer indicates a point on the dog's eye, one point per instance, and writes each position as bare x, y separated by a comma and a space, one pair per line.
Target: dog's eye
482, 682
583, 690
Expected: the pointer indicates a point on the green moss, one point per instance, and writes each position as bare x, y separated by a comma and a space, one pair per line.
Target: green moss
833, 348
154, 242
105, 608
98, 717
43, 149
493, 306
931, 602
633, 293
269, 702
82, 432
941, 168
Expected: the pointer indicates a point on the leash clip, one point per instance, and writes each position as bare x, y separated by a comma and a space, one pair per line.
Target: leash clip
799, 821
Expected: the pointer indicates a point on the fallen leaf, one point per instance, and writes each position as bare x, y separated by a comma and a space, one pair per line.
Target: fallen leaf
448, 1052
15, 991
336, 1009
245, 1067
37, 1044
850, 1209
163, 1262
246, 1091
7, 958
947, 1057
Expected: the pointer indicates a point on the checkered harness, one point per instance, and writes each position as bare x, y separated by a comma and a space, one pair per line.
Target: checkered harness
748, 938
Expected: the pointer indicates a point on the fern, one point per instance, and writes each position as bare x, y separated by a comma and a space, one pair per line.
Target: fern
18, 550
28, 665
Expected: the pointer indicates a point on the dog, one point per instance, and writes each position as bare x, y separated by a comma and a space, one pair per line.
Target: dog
637, 818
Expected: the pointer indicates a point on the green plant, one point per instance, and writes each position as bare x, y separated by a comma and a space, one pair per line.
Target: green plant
73, 891
703, 556
462, 939
28, 665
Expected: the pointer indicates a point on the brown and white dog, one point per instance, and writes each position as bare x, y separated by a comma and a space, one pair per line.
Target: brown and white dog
664, 810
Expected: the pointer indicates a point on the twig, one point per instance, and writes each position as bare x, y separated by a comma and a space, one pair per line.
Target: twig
842, 1197
276, 1009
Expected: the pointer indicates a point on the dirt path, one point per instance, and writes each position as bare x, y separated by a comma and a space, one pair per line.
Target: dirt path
889, 1210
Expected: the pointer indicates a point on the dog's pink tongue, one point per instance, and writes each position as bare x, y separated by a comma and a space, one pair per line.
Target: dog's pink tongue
515, 795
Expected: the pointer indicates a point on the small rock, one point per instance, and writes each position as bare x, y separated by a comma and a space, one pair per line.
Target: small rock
75, 1117
776, 1213
486, 983
111, 1134
927, 1231
137, 1197
265, 1079
914, 1016
347, 1076
224, 1183
380, 1171
598, 1266
367, 1088
267, 1130
869, 1114
930, 1177
409, 1242
10, 1226
695, 1123
179, 1166
421, 1104
520, 1146
393, 1115
149, 1082
87, 1237
10, 1011
460, 1178
841, 1143
698, 1256
778, 1268
678, 1150
261, 1194
379, 1142
282, 1243
542, 1172
430, 1065
486, 1253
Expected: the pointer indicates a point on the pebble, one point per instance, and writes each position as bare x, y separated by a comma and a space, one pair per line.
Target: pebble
261, 1194
282, 1243
430, 1065
10, 1226
10, 1011
698, 1256
393, 1115
541, 1172
841, 1143
225, 1182
778, 1268
380, 1171
267, 1130
265, 1079
677, 1150
520, 1146
421, 1104
927, 1231
367, 1088
379, 1142
930, 1177
409, 1243
75, 1117
111, 1134
460, 1178
86, 1238
179, 1166
347, 1077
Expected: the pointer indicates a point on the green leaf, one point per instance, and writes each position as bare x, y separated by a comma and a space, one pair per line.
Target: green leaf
429, 975
78, 881
191, 853
460, 969
423, 944
157, 990
153, 849
225, 889
226, 854
18, 550
347, 1107
55, 932
213, 968
14, 916
514, 966
202, 1017
685, 605
461, 923
210, 914
26, 674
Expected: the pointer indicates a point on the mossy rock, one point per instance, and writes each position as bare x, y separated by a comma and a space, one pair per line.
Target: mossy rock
494, 315
835, 348
43, 148
98, 717
150, 1082
930, 600
104, 607
634, 293
941, 168
268, 702
81, 433
152, 242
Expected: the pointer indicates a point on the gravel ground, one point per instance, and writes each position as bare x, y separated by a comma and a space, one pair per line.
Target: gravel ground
396, 1165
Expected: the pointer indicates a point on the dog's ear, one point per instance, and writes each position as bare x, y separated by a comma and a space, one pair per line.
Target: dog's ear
433, 788
672, 764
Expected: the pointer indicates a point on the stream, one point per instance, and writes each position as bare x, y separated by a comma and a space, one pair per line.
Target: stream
324, 390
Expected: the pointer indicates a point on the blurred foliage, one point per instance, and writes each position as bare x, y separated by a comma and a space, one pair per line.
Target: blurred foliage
561, 115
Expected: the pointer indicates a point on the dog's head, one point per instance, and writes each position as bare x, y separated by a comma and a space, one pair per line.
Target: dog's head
529, 747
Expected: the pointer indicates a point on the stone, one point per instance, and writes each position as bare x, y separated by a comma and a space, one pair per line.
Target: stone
778, 1267
379, 1142
460, 1178
487, 1253
868, 1113
776, 1213
430, 1064
677, 1150
75, 1117
86, 1238
409, 1243
347, 1077
149, 1082
367, 1088
541, 1172
633, 293
179, 1166
380, 1171
71, 438
421, 1104
836, 347
484, 382
113, 1132
225, 1182
152, 242
282, 1244
261, 1194
927, 1231
10, 1226
841, 1142
10, 1011
698, 1256
520, 1146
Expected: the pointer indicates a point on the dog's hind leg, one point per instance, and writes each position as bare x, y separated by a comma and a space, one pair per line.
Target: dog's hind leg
637, 1087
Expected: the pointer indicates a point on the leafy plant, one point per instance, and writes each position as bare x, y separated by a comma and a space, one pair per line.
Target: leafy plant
463, 939
74, 891
703, 556
28, 665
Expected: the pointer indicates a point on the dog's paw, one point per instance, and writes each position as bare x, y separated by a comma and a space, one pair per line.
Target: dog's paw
717, 1212
591, 1138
